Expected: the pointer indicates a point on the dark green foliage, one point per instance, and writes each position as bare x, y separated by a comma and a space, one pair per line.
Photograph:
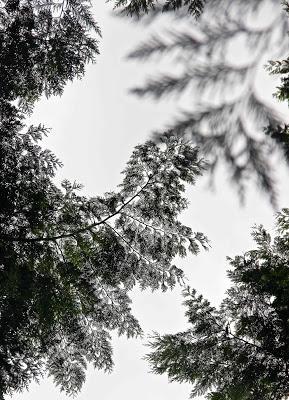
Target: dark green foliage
139, 7
43, 45
226, 115
239, 351
67, 262
280, 134
281, 68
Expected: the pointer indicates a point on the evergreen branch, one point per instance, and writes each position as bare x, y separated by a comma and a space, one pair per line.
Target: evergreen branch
140, 7
134, 250
233, 336
80, 230
146, 224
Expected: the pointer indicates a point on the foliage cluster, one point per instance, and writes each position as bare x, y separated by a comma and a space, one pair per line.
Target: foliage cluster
43, 44
281, 68
240, 350
141, 7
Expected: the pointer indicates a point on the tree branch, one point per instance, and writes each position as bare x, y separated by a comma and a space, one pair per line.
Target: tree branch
128, 244
80, 230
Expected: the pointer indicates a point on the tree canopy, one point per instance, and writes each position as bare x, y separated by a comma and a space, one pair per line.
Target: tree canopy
42, 46
68, 262
239, 351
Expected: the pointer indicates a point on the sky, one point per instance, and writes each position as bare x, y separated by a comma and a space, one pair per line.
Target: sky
94, 128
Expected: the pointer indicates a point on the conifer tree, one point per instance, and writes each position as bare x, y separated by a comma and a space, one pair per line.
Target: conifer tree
239, 351
68, 262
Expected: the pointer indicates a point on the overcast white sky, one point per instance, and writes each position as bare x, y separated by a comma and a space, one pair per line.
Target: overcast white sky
95, 126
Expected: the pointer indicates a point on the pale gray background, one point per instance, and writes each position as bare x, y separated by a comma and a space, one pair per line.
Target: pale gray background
95, 126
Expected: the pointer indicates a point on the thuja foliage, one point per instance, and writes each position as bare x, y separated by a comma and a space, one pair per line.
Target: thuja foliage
140, 7
226, 115
68, 262
239, 351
